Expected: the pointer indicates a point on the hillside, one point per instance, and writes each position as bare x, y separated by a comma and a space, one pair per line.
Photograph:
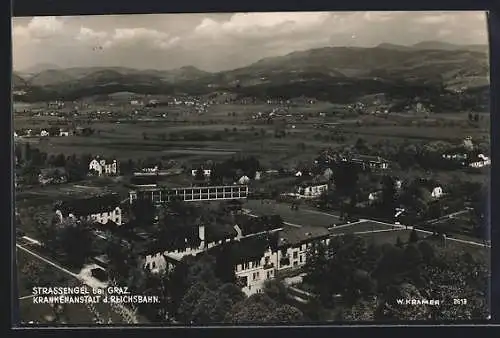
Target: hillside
17, 81
330, 73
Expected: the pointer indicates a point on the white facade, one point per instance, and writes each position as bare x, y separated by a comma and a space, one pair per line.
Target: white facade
437, 192
313, 190
256, 273
244, 180
206, 172
114, 215
104, 168
257, 175
482, 162
44, 133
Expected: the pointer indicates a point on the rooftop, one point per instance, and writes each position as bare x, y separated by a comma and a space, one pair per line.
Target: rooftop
90, 205
367, 158
296, 236
253, 225
245, 250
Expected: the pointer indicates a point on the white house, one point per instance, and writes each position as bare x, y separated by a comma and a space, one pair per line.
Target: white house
481, 161
290, 253
15, 134
206, 172
311, 191
373, 196
298, 174
258, 175
102, 167
63, 132
44, 133
437, 192
244, 180
100, 209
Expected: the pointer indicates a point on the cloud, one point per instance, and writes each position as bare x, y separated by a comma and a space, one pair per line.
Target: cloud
261, 24
38, 28
135, 37
222, 41
89, 35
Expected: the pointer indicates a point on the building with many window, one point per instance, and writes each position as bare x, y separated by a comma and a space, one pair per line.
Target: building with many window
99, 209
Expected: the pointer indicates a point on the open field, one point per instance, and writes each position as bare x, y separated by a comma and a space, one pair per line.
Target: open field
302, 216
362, 226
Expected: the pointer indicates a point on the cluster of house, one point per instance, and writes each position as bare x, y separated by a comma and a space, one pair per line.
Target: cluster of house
55, 131
243, 179
259, 249
471, 160
97, 166
52, 132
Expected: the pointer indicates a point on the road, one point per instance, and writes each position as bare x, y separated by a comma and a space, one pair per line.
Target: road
333, 216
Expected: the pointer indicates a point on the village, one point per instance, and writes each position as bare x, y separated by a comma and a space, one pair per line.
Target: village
252, 168
174, 211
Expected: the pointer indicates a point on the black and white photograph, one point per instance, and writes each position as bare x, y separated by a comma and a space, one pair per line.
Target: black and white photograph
228, 169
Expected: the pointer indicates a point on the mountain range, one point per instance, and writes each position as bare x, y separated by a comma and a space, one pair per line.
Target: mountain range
429, 63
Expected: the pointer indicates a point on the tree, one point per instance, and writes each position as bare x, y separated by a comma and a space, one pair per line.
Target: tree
35, 273
414, 238
388, 199
257, 308
276, 290
199, 175
399, 242
74, 243
286, 314
143, 212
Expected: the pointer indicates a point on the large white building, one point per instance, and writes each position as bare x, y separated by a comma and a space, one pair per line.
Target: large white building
103, 167
311, 190
99, 209
257, 258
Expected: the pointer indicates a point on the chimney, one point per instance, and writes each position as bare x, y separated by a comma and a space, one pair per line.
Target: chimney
238, 231
201, 233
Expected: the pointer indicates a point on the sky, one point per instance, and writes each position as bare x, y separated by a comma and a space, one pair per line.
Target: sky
215, 42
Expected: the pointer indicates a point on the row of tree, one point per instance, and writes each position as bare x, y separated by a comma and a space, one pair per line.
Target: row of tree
371, 278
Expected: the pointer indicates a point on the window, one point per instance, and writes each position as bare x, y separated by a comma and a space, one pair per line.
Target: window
295, 263
258, 274
254, 276
300, 258
154, 265
295, 254
267, 260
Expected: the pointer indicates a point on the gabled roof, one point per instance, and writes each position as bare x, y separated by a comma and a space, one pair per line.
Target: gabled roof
245, 250
89, 206
367, 158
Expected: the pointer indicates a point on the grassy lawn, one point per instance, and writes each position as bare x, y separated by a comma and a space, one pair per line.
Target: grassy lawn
299, 217
362, 227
